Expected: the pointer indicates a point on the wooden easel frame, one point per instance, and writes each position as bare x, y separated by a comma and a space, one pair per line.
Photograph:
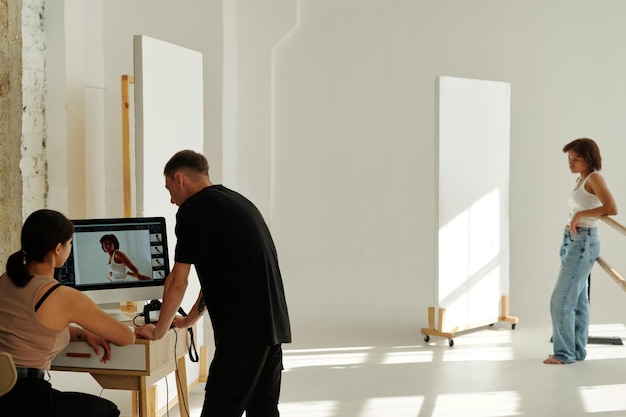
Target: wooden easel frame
619, 280
431, 330
127, 80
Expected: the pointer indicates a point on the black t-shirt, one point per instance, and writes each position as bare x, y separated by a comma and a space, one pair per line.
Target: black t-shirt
225, 236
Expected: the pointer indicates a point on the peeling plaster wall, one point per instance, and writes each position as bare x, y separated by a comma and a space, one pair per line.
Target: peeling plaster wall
10, 126
23, 163
33, 164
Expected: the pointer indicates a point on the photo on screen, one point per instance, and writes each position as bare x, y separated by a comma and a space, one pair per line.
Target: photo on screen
116, 253
93, 265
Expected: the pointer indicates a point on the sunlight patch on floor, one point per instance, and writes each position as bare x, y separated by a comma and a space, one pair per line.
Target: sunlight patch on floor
614, 329
604, 398
479, 354
410, 356
473, 348
303, 358
603, 352
309, 409
482, 404
372, 407
392, 407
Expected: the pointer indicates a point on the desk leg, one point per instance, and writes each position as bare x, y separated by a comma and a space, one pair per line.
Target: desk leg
182, 388
143, 397
134, 401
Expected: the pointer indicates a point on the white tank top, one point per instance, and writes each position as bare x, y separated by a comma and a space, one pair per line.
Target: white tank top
21, 333
117, 270
580, 199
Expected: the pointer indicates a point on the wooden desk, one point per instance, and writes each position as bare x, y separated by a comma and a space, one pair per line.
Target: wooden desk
135, 367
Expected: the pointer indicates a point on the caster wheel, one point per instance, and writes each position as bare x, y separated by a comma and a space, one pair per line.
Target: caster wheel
451, 342
426, 338
513, 326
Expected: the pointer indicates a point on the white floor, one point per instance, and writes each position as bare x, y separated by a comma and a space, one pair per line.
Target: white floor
491, 372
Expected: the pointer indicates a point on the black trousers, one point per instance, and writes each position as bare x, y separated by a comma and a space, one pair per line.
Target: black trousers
36, 398
244, 378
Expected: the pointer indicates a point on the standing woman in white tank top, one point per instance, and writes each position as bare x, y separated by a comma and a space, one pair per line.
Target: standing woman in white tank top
569, 304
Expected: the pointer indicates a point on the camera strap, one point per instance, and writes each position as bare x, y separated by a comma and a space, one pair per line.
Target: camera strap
193, 353
156, 305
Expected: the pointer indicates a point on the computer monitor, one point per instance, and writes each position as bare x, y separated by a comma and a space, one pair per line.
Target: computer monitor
143, 258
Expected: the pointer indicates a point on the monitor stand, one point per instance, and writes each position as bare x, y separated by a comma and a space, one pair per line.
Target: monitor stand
113, 310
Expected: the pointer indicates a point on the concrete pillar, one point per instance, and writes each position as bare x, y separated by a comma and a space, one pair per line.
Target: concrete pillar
10, 127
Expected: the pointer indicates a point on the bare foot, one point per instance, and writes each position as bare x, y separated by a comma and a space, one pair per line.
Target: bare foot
552, 361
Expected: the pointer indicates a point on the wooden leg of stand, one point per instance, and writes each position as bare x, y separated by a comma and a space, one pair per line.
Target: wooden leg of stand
204, 363
505, 305
505, 312
442, 318
436, 330
431, 318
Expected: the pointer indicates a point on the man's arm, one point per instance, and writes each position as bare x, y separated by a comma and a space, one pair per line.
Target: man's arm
173, 292
194, 315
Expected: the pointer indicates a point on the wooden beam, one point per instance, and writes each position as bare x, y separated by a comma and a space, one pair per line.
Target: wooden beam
612, 272
126, 144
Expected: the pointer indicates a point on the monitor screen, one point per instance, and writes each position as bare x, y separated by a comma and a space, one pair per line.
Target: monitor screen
117, 260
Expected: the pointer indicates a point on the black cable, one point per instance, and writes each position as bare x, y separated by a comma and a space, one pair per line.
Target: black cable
134, 318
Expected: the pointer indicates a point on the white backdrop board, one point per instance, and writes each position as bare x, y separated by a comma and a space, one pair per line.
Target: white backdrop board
168, 114
473, 122
168, 118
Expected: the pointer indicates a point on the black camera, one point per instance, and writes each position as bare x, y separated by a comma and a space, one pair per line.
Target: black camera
151, 311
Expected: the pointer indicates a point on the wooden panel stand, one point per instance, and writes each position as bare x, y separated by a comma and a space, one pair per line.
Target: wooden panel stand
438, 330
126, 144
505, 312
204, 364
127, 80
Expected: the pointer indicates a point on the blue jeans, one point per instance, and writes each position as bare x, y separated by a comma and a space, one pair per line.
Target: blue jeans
569, 304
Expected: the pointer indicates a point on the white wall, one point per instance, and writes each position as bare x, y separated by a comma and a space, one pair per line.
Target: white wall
353, 116
567, 82
197, 25
77, 70
251, 32
350, 125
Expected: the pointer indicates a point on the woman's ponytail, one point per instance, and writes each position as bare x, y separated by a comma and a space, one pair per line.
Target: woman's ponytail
16, 270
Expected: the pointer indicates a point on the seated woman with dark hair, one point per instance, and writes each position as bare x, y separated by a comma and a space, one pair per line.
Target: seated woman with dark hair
39, 318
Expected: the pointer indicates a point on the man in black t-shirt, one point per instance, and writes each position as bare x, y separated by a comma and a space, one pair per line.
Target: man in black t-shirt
224, 236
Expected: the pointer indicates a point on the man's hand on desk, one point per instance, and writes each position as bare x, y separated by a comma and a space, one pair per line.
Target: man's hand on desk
146, 331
